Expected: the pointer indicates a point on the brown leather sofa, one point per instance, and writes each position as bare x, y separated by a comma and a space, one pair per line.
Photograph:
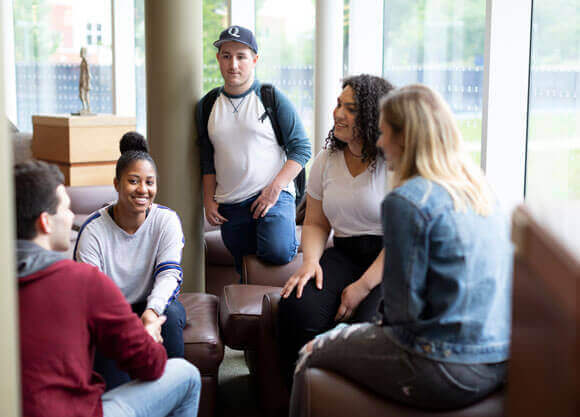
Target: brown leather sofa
219, 263
86, 199
248, 317
203, 344
330, 394
545, 348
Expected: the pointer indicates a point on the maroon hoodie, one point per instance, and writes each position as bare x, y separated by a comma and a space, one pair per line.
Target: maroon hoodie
66, 310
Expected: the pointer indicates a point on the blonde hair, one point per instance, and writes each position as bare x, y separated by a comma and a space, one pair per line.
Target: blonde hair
433, 147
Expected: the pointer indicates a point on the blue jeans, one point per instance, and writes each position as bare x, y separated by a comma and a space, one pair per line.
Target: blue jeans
272, 237
175, 394
171, 331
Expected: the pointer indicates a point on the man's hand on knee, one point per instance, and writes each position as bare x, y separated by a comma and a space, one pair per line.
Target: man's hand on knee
266, 200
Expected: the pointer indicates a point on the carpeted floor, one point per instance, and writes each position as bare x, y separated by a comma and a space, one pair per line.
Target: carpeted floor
236, 393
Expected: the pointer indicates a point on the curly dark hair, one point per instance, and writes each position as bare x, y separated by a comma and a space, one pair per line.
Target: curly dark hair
368, 90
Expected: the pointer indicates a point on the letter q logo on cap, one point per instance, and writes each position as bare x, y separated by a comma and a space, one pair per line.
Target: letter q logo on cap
234, 31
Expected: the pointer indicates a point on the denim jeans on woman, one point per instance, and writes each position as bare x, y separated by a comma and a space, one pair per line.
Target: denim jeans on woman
271, 238
175, 394
366, 354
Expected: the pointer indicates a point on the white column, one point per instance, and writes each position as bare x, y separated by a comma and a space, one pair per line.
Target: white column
7, 23
365, 52
123, 31
505, 97
328, 66
9, 357
242, 13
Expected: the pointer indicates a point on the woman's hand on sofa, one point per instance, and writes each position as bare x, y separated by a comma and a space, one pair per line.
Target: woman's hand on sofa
298, 280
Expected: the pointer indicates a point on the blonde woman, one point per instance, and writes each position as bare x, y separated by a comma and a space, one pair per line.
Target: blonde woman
444, 337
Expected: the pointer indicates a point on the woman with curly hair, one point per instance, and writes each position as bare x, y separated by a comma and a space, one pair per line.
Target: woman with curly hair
346, 184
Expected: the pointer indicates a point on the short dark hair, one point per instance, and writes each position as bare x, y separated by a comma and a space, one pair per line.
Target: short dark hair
368, 90
133, 147
35, 184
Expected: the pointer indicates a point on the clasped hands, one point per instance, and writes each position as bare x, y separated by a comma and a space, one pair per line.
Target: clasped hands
152, 323
351, 296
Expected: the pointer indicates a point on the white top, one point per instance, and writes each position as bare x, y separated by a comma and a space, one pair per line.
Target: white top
352, 205
247, 155
144, 265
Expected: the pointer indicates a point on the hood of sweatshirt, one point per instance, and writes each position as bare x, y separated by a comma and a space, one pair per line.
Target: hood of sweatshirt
31, 258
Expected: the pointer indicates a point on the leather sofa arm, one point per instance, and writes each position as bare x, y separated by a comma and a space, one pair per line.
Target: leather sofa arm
273, 391
256, 272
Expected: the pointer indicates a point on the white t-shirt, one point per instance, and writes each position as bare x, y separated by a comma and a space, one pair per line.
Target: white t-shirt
247, 156
352, 205
144, 265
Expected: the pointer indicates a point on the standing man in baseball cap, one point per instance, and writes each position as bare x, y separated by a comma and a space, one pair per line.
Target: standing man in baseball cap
252, 148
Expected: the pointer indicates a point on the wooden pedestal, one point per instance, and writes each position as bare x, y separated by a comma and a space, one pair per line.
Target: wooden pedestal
85, 148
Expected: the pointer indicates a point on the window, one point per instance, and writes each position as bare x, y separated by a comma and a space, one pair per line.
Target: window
140, 77
440, 43
215, 19
553, 150
285, 36
48, 36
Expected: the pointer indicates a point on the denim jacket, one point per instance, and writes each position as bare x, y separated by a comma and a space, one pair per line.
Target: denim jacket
447, 276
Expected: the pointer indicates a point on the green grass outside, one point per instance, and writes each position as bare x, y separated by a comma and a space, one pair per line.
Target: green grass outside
553, 165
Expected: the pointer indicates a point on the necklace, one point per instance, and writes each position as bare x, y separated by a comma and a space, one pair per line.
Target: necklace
236, 108
354, 154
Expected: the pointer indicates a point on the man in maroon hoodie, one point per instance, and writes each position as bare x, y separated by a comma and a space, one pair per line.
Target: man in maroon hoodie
69, 309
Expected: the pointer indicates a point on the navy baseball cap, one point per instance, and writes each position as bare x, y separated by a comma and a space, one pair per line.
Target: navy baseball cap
238, 34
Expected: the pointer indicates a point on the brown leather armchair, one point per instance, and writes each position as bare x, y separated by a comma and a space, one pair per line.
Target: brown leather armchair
219, 263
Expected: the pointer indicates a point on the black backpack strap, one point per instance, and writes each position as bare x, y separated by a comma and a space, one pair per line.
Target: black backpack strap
269, 102
208, 103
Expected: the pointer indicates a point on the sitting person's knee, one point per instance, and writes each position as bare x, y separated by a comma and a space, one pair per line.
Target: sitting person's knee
175, 313
185, 371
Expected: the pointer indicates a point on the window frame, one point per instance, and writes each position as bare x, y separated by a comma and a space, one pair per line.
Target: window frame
505, 110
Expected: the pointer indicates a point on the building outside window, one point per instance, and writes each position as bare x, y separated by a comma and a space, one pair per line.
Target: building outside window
436, 42
439, 43
285, 36
553, 150
215, 19
48, 36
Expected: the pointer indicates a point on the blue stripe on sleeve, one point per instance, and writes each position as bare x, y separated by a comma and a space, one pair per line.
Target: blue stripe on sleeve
87, 221
173, 296
166, 267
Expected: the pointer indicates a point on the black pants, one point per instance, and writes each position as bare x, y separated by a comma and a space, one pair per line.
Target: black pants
301, 319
